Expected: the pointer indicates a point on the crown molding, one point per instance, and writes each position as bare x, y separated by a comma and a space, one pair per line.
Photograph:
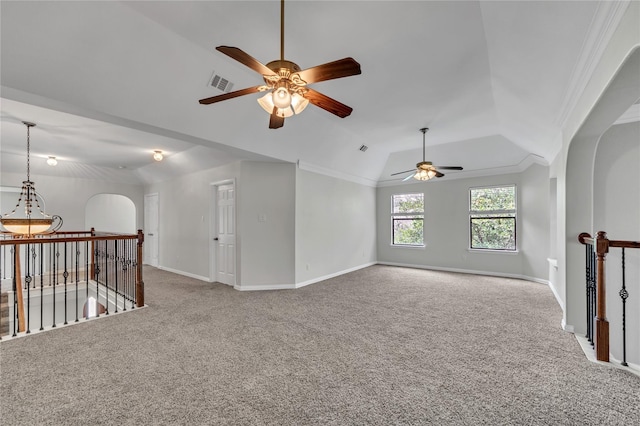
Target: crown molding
523, 165
630, 116
302, 165
603, 25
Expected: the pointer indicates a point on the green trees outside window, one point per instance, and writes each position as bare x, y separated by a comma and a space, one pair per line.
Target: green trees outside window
407, 219
492, 218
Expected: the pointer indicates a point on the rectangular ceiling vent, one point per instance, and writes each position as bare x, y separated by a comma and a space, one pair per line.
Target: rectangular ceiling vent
363, 148
220, 83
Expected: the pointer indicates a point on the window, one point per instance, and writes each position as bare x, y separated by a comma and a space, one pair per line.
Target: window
407, 217
492, 218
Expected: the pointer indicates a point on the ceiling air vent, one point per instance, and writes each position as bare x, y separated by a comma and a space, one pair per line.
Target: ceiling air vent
220, 83
363, 148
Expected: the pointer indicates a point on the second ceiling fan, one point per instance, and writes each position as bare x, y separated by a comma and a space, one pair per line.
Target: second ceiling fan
286, 83
425, 170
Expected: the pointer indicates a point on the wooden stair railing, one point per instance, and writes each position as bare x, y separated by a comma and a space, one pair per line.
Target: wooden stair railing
601, 246
89, 237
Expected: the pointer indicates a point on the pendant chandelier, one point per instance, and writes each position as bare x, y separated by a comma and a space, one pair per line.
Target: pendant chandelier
34, 220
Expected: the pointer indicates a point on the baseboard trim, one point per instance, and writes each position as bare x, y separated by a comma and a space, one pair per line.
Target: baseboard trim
468, 271
183, 273
557, 296
264, 287
567, 327
335, 274
590, 354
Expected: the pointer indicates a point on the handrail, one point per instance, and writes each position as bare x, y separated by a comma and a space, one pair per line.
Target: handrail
601, 245
37, 240
111, 263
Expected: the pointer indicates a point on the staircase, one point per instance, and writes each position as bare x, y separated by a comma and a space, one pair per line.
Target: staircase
4, 314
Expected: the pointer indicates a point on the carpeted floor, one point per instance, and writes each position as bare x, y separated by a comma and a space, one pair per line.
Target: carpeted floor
383, 346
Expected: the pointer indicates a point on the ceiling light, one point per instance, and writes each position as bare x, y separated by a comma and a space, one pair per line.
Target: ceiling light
281, 96
21, 219
423, 174
296, 105
52, 161
157, 155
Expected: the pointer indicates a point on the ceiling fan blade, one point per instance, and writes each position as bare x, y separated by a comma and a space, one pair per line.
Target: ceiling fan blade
327, 103
230, 95
401, 173
438, 174
448, 167
408, 177
337, 69
275, 121
246, 59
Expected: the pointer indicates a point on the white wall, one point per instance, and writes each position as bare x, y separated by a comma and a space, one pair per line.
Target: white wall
184, 205
447, 226
335, 226
574, 190
111, 213
617, 211
266, 224
67, 197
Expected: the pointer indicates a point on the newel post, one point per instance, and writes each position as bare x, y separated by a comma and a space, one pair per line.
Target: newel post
139, 282
602, 325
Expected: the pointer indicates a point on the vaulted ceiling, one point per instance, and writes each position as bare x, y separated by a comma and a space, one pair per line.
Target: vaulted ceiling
109, 82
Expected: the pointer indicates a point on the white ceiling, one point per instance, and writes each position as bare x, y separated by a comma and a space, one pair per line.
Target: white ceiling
109, 82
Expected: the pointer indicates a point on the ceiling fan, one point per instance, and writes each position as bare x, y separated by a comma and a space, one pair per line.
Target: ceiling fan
425, 170
286, 83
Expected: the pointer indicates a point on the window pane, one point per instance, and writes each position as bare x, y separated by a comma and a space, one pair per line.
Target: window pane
497, 233
496, 198
408, 203
408, 230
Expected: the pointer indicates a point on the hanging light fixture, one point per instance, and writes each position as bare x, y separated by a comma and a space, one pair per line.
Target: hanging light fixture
32, 222
424, 174
52, 161
157, 155
425, 170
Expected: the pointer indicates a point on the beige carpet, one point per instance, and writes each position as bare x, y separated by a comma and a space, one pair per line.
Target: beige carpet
383, 346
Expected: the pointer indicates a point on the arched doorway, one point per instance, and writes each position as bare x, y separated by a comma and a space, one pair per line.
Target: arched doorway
111, 213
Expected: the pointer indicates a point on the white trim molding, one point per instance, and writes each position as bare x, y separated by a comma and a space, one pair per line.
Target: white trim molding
185, 274
303, 165
630, 116
468, 271
335, 274
603, 25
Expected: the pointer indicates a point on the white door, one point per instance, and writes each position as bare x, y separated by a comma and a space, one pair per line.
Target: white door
151, 240
225, 234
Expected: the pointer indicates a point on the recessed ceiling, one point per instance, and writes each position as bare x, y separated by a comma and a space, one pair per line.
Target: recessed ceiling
109, 82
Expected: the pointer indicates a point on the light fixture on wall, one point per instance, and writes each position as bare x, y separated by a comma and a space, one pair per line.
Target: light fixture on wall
31, 222
157, 155
52, 161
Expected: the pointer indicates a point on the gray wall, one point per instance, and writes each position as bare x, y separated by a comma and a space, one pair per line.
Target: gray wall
184, 205
311, 219
335, 226
267, 248
447, 226
616, 210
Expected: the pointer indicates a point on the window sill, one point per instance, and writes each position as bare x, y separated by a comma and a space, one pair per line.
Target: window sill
511, 252
421, 247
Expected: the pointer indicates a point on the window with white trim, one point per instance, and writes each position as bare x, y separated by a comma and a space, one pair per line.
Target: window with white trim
407, 220
492, 218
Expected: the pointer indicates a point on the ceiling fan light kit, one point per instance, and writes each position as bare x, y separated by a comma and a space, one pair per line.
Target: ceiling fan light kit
286, 84
425, 170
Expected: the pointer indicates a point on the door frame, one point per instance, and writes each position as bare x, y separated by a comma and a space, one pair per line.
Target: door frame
213, 209
146, 257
